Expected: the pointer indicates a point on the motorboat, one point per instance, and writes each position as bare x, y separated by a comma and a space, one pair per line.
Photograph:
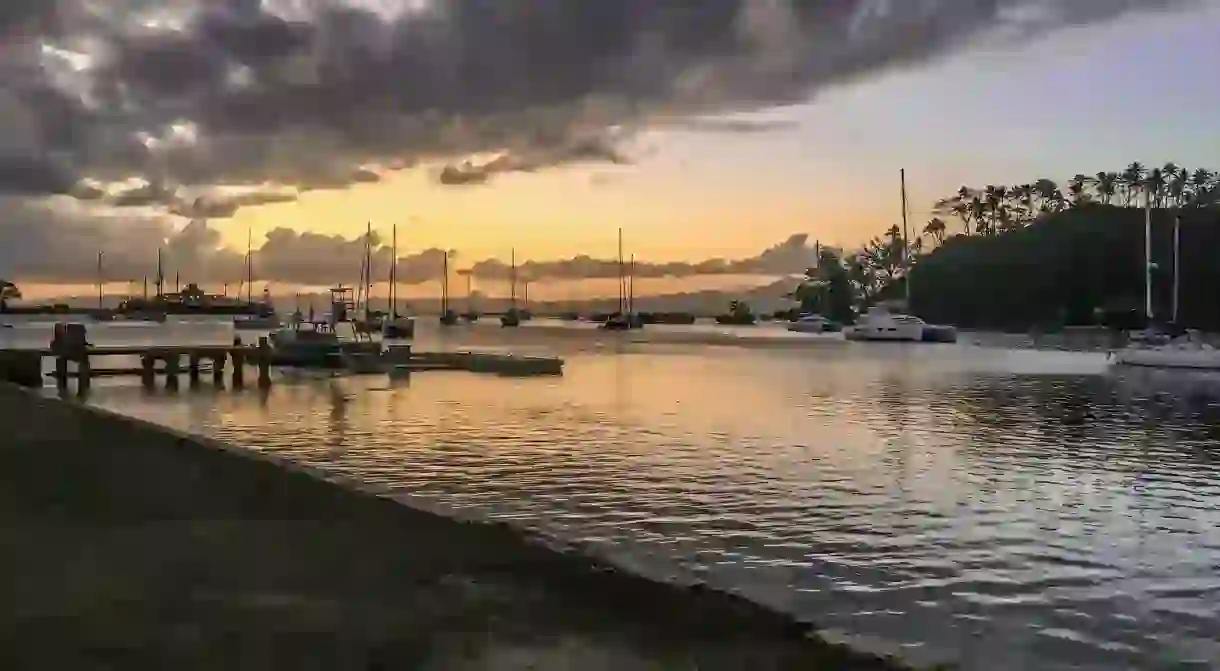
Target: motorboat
617, 322
398, 327
812, 323
881, 324
312, 345
510, 319
1184, 352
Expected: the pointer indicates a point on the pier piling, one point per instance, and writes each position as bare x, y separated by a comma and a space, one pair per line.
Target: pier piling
264, 363
239, 361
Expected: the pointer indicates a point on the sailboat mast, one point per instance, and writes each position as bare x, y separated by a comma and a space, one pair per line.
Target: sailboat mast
368, 275
906, 239
621, 280
1177, 250
513, 279
394, 272
631, 286
1148, 254
445, 285
249, 266
160, 274
100, 281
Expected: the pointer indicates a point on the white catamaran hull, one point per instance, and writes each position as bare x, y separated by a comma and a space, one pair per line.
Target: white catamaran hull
1169, 356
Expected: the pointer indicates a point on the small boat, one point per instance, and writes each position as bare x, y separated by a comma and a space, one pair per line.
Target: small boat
617, 322
448, 317
739, 314
512, 318
398, 327
315, 346
812, 323
471, 316
394, 326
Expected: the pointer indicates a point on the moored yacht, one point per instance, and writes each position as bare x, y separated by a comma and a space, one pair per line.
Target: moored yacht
1170, 347
881, 324
812, 323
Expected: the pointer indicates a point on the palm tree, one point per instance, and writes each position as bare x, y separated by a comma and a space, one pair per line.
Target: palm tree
1076, 189
1171, 172
1200, 181
1132, 179
8, 292
936, 229
1106, 184
1154, 184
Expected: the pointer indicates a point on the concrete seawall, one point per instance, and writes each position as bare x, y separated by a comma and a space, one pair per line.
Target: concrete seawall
126, 545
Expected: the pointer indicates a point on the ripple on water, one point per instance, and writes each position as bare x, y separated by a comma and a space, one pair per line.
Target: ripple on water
957, 503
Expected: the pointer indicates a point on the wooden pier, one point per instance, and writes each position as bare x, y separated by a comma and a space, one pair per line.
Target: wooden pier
74, 358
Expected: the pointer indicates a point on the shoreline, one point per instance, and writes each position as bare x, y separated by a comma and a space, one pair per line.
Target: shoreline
136, 544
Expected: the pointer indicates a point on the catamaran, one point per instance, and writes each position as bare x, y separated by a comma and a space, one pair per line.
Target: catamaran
1156, 348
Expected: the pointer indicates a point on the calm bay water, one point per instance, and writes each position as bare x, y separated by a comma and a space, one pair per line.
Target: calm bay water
998, 507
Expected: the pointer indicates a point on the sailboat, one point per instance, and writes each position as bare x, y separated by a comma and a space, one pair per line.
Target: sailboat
266, 321
621, 319
471, 315
448, 316
393, 325
1157, 349
512, 318
880, 323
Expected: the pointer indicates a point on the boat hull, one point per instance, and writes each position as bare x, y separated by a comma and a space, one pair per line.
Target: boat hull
885, 334
1195, 359
401, 328
938, 333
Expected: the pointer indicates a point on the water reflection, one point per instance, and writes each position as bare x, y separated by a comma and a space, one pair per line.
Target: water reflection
1009, 510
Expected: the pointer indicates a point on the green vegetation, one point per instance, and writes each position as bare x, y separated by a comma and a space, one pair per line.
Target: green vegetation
8, 292
1038, 255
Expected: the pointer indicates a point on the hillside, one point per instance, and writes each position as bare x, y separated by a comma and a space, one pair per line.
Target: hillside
1062, 268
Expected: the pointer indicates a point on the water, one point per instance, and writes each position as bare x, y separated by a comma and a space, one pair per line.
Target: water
1000, 507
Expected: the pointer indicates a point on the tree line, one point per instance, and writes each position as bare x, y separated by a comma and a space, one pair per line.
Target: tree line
1055, 255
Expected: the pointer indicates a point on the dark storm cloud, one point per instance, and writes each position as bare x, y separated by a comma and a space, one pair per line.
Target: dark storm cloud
276, 89
208, 92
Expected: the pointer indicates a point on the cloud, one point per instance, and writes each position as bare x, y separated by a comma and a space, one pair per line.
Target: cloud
137, 109
195, 92
56, 241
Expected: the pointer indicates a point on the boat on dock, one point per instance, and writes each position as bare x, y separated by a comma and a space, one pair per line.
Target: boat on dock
320, 344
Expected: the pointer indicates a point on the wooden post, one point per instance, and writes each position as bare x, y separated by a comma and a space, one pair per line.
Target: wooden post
148, 370
173, 367
264, 363
238, 355
84, 371
218, 369
192, 367
61, 372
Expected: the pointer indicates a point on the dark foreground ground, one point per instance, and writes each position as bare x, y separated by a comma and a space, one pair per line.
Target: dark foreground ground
125, 546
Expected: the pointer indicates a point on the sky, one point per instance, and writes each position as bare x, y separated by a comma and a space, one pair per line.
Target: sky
1085, 100
742, 160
